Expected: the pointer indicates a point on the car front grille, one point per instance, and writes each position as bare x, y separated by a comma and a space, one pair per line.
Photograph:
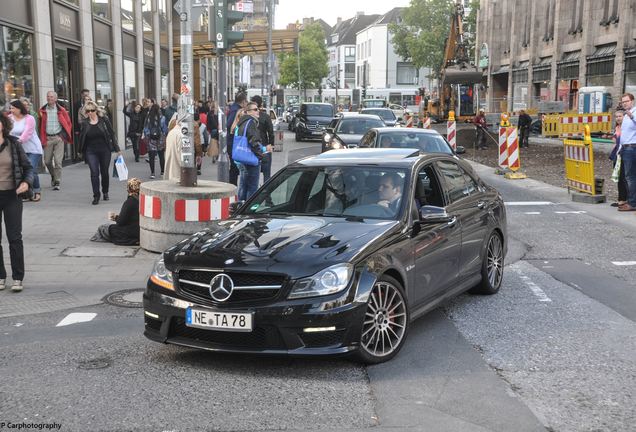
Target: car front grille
322, 339
262, 337
248, 287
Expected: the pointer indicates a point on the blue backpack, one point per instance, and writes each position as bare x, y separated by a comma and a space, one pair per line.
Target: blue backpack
241, 150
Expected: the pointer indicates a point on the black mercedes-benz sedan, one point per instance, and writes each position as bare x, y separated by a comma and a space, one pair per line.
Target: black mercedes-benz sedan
336, 254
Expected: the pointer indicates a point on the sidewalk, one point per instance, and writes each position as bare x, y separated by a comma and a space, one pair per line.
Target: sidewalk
64, 269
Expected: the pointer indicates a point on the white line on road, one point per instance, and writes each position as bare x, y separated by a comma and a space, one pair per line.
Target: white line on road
76, 317
527, 203
538, 292
571, 212
624, 263
532, 213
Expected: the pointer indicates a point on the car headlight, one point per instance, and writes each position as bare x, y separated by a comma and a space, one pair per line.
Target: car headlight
161, 275
327, 137
337, 144
328, 281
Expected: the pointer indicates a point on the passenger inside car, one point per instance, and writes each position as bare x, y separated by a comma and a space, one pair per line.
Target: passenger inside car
390, 191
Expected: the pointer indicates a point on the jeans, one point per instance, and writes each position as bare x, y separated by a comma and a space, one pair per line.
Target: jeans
11, 211
266, 167
481, 138
151, 160
234, 171
628, 157
242, 181
135, 146
35, 163
252, 175
524, 134
99, 162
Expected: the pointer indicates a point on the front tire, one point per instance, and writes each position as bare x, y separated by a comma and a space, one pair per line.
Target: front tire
385, 324
492, 267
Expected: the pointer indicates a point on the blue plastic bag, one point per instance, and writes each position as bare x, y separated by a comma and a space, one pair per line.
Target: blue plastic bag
241, 150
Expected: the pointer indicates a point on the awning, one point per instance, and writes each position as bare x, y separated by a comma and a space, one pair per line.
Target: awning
502, 69
522, 65
543, 63
570, 57
603, 52
630, 52
253, 43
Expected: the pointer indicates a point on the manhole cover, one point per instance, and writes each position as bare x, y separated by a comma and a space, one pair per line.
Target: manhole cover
99, 363
131, 298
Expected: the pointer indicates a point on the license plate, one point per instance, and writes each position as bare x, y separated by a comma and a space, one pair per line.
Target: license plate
316, 133
229, 321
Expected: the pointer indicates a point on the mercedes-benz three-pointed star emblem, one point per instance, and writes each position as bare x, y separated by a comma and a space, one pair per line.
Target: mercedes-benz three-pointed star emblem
221, 287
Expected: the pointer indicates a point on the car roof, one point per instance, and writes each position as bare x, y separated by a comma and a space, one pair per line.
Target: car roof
382, 130
316, 103
375, 109
372, 156
358, 115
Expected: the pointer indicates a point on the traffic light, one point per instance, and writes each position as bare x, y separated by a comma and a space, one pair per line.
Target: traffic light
364, 92
224, 18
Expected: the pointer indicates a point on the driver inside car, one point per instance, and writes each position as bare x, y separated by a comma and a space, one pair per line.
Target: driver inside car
390, 191
386, 142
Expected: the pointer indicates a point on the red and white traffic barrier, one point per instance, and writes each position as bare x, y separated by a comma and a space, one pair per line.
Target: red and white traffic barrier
513, 149
585, 119
427, 122
150, 206
452, 133
503, 147
202, 210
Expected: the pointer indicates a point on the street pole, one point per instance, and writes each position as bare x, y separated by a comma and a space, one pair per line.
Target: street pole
185, 108
298, 58
223, 166
270, 20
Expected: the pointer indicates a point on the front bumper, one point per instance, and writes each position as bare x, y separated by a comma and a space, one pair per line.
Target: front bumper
278, 328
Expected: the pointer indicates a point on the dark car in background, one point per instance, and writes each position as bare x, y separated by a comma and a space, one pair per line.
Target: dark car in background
290, 115
312, 119
346, 130
336, 254
424, 140
387, 115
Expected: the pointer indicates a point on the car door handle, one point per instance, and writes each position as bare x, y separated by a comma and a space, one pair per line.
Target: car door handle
452, 222
481, 204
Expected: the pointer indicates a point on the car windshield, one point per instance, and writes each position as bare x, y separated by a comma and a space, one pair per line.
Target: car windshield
386, 114
379, 103
320, 110
358, 126
349, 192
425, 142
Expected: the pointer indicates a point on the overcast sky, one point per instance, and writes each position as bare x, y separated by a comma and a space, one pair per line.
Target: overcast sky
289, 11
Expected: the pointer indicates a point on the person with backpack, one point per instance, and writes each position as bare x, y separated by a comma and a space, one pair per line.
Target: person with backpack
155, 131
247, 138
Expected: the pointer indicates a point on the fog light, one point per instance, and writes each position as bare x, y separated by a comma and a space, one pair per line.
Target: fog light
318, 329
151, 315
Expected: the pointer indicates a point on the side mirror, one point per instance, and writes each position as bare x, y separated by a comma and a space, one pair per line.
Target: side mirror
460, 150
329, 130
433, 215
234, 207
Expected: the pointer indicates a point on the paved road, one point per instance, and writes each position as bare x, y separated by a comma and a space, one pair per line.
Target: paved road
554, 350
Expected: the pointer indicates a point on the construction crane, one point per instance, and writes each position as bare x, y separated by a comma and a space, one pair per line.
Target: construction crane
458, 75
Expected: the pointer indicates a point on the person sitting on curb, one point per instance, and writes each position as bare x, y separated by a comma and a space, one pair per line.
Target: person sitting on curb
125, 230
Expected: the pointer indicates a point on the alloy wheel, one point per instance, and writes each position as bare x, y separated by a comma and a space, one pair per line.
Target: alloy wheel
495, 261
385, 320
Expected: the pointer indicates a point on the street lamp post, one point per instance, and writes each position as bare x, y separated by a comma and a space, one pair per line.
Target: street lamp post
185, 108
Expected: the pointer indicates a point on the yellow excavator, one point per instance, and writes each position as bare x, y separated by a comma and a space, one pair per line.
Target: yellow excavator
459, 76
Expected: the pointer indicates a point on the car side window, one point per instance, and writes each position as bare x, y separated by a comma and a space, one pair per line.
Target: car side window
455, 178
427, 188
368, 139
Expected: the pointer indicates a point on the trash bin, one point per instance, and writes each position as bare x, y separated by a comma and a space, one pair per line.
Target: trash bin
279, 136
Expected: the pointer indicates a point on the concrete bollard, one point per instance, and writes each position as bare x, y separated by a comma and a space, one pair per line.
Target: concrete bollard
169, 212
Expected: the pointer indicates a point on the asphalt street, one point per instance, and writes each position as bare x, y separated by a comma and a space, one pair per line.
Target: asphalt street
555, 350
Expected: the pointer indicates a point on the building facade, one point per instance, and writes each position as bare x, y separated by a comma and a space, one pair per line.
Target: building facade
118, 49
534, 51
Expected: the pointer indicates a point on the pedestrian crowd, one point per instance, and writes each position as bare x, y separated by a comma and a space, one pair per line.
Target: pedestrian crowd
624, 154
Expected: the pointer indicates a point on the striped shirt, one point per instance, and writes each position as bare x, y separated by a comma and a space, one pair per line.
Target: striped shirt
53, 126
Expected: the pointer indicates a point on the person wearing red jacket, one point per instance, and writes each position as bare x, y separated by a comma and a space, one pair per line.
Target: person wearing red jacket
55, 130
481, 126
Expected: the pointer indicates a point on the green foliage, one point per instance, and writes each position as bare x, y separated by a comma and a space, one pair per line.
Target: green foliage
313, 60
421, 36
470, 29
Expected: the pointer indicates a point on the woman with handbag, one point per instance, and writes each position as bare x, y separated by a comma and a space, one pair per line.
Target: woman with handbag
155, 130
97, 142
248, 151
16, 177
136, 126
25, 129
213, 131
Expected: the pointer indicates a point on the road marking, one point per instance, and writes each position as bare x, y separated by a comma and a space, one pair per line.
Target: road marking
527, 203
538, 292
624, 263
532, 213
571, 212
76, 317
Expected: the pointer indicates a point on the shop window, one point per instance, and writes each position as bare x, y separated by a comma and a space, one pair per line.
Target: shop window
146, 13
103, 78
16, 65
130, 80
405, 74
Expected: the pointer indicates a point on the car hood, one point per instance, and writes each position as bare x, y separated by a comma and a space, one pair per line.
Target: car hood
323, 121
295, 245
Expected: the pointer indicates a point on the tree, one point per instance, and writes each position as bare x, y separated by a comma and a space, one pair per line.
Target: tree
421, 36
313, 60
470, 29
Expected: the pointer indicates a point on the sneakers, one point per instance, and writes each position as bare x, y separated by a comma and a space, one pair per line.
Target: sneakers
152, 176
3, 284
106, 198
17, 286
56, 186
